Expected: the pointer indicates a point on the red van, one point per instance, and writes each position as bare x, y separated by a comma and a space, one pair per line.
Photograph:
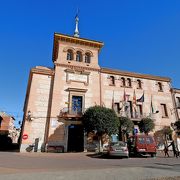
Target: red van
142, 145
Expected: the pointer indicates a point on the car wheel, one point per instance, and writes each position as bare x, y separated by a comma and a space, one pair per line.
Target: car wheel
153, 155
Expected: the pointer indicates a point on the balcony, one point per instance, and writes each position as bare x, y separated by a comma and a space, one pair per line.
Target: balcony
134, 116
71, 112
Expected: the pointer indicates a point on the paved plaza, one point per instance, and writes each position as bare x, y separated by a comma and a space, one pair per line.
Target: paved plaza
85, 166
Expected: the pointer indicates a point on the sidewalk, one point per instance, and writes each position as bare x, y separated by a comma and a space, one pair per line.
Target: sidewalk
160, 153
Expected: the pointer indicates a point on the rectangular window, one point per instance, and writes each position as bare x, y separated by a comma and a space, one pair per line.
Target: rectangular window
178, 102
112, 81
116, 108
160, 86
164, 110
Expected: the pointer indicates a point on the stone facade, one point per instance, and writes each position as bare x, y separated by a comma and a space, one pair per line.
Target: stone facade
57, 97
176, 98
8, 128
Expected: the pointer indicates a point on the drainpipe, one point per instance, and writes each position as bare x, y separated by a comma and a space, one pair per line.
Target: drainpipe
100, 87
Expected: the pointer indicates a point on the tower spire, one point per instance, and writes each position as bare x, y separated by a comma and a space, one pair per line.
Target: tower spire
76, 32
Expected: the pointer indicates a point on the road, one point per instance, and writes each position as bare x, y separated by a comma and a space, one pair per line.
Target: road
84, 166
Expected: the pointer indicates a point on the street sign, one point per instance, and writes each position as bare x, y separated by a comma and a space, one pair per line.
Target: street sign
135, 131
25, 136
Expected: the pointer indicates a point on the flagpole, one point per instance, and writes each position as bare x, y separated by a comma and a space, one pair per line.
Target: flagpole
113, 100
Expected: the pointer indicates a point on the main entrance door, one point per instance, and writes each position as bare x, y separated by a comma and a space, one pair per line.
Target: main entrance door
75, 138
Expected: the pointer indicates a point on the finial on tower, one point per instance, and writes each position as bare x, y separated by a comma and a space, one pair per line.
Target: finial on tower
76, 32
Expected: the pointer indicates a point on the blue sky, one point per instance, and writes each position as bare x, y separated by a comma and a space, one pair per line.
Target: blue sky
140, 36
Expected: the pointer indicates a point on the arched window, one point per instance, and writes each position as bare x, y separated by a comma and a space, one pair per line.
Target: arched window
69, 54
139, 84
112, 80
160, 86
79, 56
87, 58
123, 82
129, 82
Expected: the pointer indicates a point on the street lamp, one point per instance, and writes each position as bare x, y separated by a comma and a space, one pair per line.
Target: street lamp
150, 114
29, 118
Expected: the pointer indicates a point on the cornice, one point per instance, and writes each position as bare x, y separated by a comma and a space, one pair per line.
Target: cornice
49, 72
136, 75
77, 68
76, 40
175, 90
76, 90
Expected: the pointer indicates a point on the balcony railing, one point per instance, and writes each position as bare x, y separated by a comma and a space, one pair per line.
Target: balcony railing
134, 116
72, 112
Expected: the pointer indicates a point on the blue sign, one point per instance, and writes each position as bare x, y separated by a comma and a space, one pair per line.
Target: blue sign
135, 131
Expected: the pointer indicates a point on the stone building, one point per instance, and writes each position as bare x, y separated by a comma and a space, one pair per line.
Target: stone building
57, 97
176, 99
8, 128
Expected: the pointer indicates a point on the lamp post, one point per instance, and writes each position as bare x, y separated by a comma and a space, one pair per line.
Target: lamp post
29, 118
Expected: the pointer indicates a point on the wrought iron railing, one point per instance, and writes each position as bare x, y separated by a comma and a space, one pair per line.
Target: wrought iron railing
72, 111
133, 115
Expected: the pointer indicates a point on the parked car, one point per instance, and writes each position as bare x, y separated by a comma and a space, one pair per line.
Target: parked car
142, 145
118, 149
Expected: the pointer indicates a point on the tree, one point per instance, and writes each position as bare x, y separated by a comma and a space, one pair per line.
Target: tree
100, 119
126, 126
146, 125
162, 134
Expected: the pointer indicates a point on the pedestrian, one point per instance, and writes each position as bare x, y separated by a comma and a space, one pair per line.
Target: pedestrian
166, 151
178, 145
174, 148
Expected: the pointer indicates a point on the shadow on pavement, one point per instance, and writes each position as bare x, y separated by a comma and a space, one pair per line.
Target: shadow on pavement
106, 156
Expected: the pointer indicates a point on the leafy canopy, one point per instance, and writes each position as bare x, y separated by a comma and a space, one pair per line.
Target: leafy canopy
101, 119
126, 124
146, 125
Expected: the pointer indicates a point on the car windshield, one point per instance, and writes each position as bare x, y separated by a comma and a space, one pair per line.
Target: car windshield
141, 140
149, 140
119, 143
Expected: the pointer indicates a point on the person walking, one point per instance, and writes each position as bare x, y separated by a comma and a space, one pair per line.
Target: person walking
178, 145
174, 148
166, 150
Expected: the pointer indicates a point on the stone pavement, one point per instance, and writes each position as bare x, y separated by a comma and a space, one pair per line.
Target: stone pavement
135, 173
81, 166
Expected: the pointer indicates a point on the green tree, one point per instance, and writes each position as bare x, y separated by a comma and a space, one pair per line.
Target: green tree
100, 119
146, 125
163, 133
126, 126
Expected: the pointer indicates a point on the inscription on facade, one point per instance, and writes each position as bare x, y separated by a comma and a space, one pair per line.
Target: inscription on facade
77, 77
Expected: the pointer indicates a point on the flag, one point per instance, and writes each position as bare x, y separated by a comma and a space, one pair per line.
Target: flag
124, 96
134, 98
151, 108
134, 104
141, 99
